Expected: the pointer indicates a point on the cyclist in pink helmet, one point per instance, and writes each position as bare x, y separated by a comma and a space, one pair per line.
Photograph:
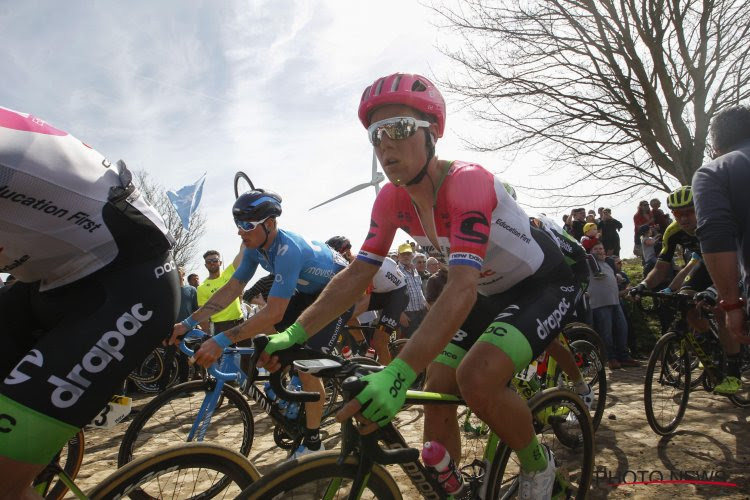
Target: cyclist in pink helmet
507, 296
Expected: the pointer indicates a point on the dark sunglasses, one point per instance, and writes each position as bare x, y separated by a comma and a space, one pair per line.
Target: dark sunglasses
679, 212
397, 128
212, 261
246, 225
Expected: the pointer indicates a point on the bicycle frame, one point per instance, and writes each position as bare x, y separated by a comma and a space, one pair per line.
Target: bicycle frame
227, 371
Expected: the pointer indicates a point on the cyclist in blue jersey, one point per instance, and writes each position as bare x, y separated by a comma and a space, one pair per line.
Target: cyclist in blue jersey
301, 269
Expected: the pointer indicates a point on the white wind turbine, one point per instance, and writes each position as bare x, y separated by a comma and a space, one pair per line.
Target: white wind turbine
377, 178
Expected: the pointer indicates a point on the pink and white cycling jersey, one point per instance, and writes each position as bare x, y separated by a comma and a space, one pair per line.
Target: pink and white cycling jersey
478, 224
53, 188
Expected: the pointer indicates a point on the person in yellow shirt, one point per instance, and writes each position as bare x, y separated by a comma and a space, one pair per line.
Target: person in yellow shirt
232, 314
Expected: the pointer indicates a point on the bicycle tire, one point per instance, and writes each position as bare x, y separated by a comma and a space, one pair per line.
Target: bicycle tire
312, 474
673, 371
581, 331
69, 460
594, 373
153, 475
168, 418
502, 474
152, 386
150, 369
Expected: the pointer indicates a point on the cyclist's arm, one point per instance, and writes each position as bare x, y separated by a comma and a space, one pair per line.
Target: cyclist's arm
722, 266
337, 296
676, 283
658, 274
262, 322
444, 319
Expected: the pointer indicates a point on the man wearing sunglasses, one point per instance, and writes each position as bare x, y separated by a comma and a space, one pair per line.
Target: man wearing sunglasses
693, 278
508, 292
301, 269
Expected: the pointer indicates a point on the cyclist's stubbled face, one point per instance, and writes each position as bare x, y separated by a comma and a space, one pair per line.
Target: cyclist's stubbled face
401, 159
685, 217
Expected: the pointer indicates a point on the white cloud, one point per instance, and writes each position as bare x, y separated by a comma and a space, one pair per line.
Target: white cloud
268, 87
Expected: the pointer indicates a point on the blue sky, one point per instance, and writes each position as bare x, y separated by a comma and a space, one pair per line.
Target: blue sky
179, 88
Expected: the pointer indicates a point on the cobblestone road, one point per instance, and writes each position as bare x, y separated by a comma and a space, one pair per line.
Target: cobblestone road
713, 442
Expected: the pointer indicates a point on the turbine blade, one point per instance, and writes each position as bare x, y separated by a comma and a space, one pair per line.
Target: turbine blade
350, 191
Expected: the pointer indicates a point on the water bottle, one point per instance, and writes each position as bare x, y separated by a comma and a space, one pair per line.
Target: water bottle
435, 456
346, 352
269, 391
292, 411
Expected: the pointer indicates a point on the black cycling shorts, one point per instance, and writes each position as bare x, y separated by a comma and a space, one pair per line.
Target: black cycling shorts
391, 305
521, 321
66, 351
325, 340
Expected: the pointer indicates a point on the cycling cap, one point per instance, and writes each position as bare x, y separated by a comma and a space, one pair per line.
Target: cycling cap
256, 205
680, 197
414, 91
511, 191
338, 243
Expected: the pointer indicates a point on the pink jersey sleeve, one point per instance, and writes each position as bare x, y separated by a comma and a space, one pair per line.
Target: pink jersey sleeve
471, 199
382, 229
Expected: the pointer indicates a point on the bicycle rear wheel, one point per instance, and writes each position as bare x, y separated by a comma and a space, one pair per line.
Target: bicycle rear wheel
319, 476
587, 356
556, 413
169, 417
582, 331
191, 470
667, 387
150, 369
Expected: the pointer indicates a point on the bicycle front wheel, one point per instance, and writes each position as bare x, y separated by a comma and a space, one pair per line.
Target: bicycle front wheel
169, 417
319, 476
667, 388
189, 471
562, 423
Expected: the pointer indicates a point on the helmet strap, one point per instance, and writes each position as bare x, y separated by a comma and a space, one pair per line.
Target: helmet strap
265, 240
430, 154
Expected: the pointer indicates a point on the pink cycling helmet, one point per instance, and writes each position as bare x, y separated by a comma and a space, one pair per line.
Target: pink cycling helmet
414, 91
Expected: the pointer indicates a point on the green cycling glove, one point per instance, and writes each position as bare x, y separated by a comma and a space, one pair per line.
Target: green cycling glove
295, 334
385, 392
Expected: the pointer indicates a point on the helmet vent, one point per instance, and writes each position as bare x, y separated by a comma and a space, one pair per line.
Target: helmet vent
418, 86
396, 82
379, 87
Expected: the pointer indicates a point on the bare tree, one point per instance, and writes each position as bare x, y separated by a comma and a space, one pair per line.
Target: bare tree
621, 91
186, 241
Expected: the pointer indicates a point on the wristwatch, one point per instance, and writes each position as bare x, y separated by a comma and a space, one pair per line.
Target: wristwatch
731, 307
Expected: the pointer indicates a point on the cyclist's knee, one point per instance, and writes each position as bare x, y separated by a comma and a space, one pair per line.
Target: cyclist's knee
482, 375
441, 378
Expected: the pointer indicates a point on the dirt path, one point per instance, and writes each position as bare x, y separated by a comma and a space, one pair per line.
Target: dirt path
713, 443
